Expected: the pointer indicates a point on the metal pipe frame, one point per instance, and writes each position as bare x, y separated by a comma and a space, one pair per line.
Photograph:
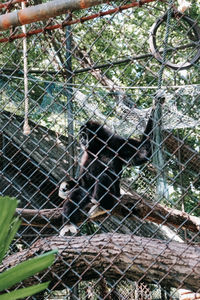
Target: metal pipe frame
48, 10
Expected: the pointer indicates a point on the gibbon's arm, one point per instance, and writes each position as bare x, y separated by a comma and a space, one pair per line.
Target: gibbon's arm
137, 152
149, 128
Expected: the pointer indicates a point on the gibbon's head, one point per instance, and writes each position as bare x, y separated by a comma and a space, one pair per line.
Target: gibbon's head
89, 133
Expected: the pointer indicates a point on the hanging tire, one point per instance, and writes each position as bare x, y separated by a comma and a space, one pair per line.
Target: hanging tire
195, 36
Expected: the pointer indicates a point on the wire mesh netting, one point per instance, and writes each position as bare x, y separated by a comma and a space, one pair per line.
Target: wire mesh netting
99, 141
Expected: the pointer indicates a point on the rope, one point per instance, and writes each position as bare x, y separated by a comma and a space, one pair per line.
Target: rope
26, 128
158, 158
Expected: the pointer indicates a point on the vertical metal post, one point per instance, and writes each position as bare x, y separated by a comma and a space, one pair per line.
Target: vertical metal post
70, 116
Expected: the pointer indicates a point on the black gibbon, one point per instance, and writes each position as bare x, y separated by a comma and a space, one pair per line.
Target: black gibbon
101, 166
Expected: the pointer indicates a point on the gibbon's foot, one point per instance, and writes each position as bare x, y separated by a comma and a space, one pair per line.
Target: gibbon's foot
68, 228
66, 187
62, 193
96, 210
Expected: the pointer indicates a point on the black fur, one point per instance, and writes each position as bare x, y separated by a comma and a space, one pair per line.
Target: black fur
102, 163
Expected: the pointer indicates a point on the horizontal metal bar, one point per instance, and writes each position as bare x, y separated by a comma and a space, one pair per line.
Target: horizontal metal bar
93, 67
48, 10
44, 11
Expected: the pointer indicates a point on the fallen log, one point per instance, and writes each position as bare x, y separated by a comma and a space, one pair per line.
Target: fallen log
114, 256
130, 205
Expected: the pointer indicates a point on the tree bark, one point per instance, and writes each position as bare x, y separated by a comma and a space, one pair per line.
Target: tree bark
188, 156
130, 205
52, 145
116, 256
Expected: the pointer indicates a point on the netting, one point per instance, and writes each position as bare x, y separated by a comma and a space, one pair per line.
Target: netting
85, 84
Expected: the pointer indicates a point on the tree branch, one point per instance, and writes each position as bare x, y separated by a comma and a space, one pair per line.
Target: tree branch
113, 255
130, 205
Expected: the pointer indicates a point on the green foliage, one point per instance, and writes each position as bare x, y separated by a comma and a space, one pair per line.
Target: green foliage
9, 225
24, 292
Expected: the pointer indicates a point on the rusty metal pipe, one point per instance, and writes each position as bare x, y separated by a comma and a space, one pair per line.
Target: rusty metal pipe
44, 11
75, 21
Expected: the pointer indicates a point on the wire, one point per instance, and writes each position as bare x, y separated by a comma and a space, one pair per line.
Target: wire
10, 3
105, 86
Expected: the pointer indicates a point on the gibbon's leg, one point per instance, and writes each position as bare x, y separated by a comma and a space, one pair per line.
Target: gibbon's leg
104, 194
77, 200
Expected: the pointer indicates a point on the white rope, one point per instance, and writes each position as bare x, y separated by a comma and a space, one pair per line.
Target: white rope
158, 155
26, 127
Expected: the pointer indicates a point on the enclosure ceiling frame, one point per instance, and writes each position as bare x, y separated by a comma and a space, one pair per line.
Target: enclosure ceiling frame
50, 9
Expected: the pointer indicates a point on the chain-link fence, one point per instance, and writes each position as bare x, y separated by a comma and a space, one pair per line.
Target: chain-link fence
100, 114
